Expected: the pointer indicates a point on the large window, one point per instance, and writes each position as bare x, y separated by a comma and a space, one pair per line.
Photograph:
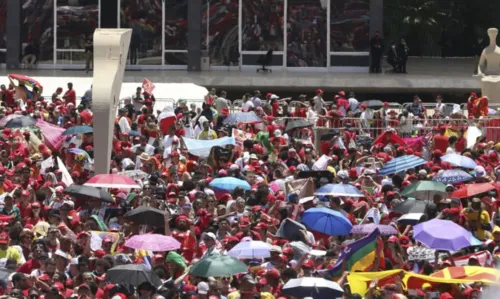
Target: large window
307, 34
38, 27
222, 31
144, 17
349, 25
262, 25
76, 23
176, 30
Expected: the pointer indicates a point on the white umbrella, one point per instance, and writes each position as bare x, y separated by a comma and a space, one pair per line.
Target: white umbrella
410, 218
314, 287
251, 250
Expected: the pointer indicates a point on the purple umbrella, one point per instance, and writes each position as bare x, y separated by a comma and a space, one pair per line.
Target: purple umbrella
153, 242
442, 235
366, 229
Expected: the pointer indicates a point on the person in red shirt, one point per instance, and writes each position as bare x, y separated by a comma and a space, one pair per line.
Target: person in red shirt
24, 206
86, 116
7, 96
70, 95
461, 141
440, 140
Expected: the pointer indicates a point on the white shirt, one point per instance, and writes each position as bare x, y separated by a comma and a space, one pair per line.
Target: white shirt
318, 103
148, 148
248, 104
124, 125
440, 107
406, 124
167, 141
353, 104
450, 150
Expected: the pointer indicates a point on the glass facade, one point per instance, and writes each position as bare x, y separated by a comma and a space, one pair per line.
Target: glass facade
349, 25
37, 28
302, 33
144, 17
223, 32
262, 25
306, 33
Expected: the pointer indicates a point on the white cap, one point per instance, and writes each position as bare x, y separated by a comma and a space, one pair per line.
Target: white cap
62, 254
305, 199
202, 288
211, 235
274, 97
277, 133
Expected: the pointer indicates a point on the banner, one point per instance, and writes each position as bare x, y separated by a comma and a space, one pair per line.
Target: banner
52, 135
148, 86
418, 253
66, 177
484, 257
201, 148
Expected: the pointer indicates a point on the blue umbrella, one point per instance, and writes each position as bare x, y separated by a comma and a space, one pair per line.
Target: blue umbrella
229, 183
401, 164
459, 160
339, 190
327, 221
452, 176
242, 117
78, 130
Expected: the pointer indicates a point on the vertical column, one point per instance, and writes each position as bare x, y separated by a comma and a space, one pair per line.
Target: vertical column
194, 35
14, 50
376, 17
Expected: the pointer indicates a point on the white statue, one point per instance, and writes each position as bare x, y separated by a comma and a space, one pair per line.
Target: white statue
110, 57
489, 69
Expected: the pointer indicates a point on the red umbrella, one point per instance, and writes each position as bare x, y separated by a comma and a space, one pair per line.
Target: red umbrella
117, 181
472, 189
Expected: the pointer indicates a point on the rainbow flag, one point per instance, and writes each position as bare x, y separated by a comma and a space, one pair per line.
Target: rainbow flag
359, 255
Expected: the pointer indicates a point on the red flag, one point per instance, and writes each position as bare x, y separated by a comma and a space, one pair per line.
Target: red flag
148, 86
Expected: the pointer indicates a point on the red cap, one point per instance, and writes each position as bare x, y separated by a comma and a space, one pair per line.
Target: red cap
273, 273
320, 91
308, 263
385, 104
25, 193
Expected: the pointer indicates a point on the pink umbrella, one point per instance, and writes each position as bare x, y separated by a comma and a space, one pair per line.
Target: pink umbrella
117, 181
6, 119
52, 134
153, 242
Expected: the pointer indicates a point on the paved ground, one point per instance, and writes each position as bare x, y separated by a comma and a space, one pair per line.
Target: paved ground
425, 74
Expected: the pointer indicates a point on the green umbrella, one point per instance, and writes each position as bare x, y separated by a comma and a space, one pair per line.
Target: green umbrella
218, 266
425, 190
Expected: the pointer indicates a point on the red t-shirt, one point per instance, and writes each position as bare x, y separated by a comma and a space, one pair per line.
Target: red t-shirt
275, 106
9, 97
335, 122
70, 97
25, 212
460, 145
441, 143
29, 266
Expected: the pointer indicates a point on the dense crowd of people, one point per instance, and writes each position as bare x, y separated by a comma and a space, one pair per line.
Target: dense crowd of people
215, 196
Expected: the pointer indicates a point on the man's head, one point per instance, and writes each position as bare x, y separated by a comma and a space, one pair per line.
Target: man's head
70, 85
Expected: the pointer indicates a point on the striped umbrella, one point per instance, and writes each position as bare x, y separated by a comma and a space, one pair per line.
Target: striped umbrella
401, 164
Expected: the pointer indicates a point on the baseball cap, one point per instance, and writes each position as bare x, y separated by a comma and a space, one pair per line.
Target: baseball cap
202, 288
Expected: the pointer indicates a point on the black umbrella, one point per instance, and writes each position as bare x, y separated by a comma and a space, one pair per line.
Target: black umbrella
20, 122
411, 206
147, 215
82, 192
291, 230
373, 104
297, 124
132, 274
